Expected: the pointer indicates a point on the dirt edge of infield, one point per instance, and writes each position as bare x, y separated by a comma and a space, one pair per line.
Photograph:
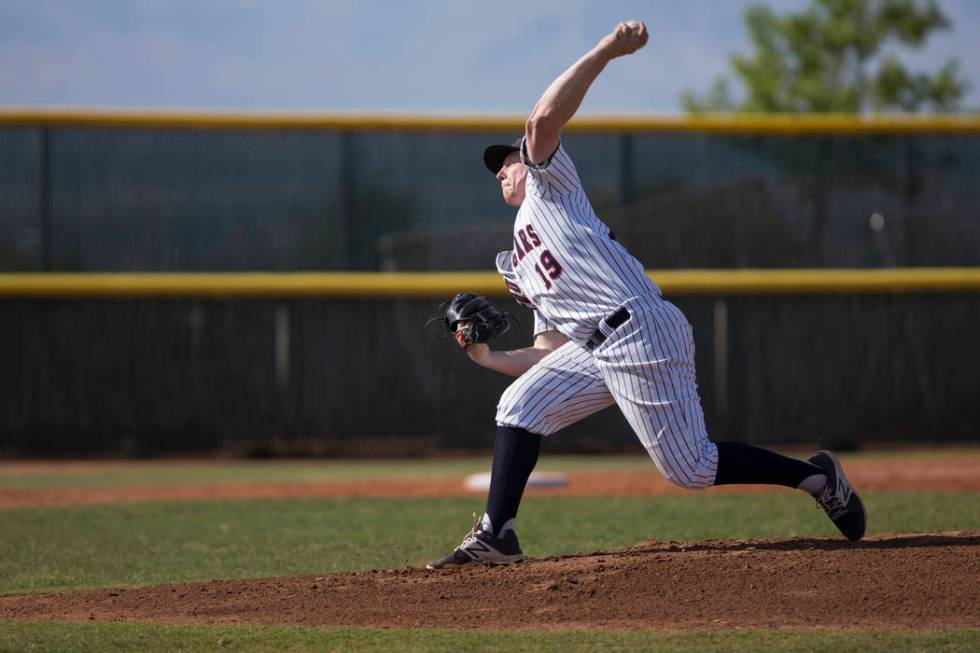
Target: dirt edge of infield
885, 474
912, 580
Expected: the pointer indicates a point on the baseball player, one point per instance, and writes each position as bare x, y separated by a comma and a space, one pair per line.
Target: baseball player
603, 334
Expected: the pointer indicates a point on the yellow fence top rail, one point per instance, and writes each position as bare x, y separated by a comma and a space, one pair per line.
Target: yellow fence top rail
781, 124
442, 285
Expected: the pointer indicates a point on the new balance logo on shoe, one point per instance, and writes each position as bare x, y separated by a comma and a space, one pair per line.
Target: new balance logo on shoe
478, 549
484, 547
839, 500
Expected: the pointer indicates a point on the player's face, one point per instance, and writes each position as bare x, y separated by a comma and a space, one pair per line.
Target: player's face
512, 176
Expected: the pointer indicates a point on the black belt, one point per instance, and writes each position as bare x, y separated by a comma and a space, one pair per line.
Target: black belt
613, 321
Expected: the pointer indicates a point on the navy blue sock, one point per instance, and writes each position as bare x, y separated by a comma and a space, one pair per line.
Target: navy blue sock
515, 453
743, 463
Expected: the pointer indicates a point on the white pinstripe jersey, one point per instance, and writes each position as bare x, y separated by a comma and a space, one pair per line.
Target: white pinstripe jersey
565, 262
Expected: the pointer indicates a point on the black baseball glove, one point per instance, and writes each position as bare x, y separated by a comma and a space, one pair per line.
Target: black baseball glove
471, 318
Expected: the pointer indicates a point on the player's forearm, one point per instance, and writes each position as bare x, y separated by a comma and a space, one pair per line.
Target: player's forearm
516, 361
563, 97
512, 362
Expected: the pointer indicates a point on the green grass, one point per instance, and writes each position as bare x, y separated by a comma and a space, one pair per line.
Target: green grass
76, 547
151, 543
59, 636
199, 472
142, 473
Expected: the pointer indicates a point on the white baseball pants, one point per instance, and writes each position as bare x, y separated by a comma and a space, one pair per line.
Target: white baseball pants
646, 367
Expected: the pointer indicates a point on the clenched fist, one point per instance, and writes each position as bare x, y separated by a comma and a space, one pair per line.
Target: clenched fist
627, 38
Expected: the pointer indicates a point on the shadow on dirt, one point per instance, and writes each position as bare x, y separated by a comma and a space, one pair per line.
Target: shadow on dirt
899, 541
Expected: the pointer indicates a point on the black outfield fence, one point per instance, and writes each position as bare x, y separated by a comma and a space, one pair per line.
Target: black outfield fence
331, 376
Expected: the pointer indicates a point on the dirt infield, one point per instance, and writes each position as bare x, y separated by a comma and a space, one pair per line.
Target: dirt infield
940, 474
888, 581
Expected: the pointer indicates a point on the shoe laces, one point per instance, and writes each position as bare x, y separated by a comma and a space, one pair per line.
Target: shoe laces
831, 503
471, 536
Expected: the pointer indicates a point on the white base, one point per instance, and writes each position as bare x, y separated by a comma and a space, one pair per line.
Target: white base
538, 479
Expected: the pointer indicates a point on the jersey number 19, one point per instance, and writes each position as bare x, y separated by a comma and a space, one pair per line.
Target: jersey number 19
552, 268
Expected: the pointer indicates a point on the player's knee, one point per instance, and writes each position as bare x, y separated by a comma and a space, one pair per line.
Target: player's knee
689, 482
687, 476
512, 410
514, 413
507, 411
521, 420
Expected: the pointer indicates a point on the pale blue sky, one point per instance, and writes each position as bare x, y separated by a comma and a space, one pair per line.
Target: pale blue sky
420, 56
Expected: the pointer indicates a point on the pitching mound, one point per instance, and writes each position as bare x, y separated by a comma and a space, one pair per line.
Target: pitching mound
888, 581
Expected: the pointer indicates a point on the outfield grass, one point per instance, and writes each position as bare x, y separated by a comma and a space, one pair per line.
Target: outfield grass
131, 544
196, 472
19, 636
74, 547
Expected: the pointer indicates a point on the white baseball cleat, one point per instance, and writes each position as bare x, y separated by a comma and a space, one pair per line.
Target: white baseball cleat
483, 546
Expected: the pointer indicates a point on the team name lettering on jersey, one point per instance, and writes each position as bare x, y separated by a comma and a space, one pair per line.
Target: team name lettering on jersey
525, 240
546, 266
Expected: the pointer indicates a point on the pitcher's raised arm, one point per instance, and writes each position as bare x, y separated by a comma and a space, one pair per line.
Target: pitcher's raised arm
563, 97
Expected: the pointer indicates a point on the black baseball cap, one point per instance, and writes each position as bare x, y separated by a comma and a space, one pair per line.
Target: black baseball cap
493, 156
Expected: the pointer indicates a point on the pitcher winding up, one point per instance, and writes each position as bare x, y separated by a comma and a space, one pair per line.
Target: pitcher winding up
603, 334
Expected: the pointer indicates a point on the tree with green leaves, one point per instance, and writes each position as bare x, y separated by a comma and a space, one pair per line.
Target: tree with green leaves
836, 56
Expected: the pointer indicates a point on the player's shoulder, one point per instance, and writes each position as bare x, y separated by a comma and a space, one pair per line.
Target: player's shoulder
554, 177
559, 155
